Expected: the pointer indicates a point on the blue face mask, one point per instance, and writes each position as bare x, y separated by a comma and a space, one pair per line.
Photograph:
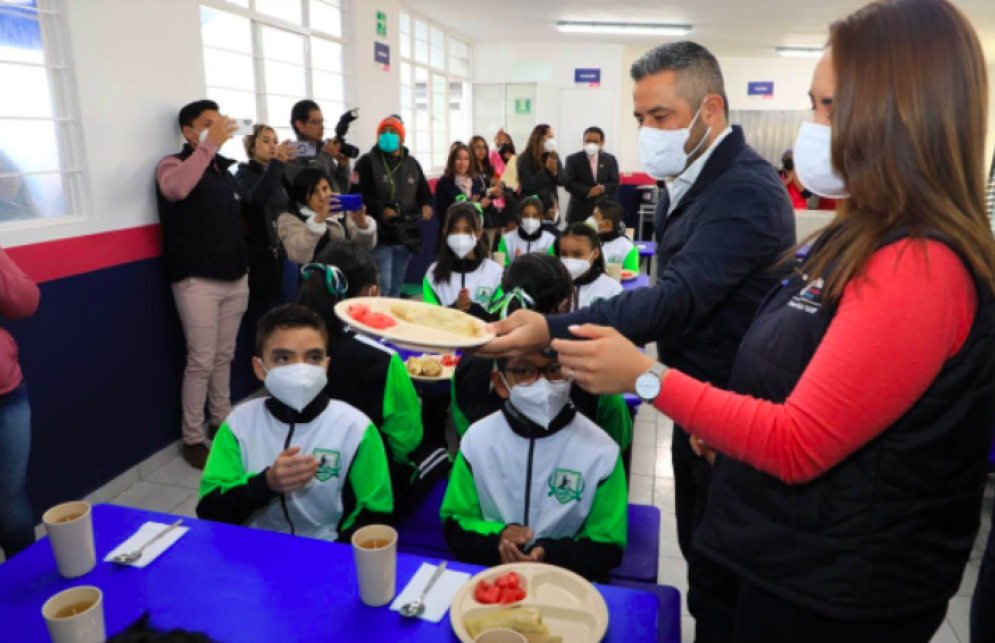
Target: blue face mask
389, 142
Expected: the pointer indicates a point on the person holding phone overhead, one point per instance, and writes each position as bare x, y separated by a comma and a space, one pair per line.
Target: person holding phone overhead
204, 251
852, 443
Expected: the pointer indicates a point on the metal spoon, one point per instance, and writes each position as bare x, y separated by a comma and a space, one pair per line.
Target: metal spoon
127, 559
417, 606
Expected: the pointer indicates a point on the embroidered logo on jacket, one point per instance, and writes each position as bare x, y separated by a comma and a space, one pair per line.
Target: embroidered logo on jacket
809, 299
328, 464
566, 485
483, 294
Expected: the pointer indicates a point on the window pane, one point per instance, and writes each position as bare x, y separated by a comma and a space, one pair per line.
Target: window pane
421, 31
284, 133
438, 83
30, 146
438, 38
405, 46
325, 17
278, 108
405, 74
407, 115
283, 45
328, 86
235, 149
241, 3
421, 78
226, 69
405, 23
236, 104
225, 31
458, 48
289, 10
32, 96
421, 52
421, 118
326, 55
281, 78
332, 111
32, 197
459, 67
406, 97
458, 111
425, 159
438, 58
20, 38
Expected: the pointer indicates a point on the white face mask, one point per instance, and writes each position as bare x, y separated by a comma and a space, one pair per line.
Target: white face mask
549, 145
531, 225
540, 401
461, 244
814, 162
662, 150
592, 148
576, 267
296, 385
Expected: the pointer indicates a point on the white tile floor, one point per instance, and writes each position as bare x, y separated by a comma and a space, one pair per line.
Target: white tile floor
167, 484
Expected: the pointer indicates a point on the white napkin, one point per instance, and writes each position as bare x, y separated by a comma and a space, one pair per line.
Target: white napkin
147, 532
439, 597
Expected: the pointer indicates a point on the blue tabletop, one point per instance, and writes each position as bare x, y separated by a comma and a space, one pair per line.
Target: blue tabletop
641, 281
646, 248
241, 585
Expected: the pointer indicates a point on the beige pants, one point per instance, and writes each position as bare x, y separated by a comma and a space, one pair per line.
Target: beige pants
210, 312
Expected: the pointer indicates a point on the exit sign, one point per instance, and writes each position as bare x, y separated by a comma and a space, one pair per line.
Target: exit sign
381, 24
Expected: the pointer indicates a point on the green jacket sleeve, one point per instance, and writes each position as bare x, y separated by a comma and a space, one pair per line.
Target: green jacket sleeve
600, 544
227, 493
428, 293
631, 260
372, 500
613, 416
551, 250
402, 425
503, 247
462, 424
472, 539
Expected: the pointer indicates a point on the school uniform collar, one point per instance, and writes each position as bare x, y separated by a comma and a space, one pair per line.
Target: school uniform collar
528, 429
608, 237
287, 415
466, 266
530, 237
709, 166
589, 278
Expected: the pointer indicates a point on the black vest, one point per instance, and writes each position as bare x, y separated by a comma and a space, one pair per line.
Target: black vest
202, 234
400, 187
888, 531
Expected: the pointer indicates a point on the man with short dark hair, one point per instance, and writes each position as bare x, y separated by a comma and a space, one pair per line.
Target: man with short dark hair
590, 174
206, 260
721, 228
309, 126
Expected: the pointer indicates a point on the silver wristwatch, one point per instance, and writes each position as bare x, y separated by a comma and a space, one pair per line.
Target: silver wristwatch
648, 384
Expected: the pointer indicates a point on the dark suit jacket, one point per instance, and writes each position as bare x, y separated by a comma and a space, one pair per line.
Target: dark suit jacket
579, 182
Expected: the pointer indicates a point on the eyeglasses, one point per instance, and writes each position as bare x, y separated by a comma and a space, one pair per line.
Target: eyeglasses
319, 121
526, 374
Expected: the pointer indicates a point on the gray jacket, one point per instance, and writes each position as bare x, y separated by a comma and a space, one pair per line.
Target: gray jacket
338, 175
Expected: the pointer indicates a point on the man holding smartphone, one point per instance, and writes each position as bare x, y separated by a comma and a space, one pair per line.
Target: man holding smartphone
206, 260
309, 126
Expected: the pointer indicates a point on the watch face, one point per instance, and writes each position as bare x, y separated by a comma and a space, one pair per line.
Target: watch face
647, 386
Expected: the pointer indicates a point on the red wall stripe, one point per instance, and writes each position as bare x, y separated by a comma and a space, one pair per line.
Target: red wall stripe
67, 257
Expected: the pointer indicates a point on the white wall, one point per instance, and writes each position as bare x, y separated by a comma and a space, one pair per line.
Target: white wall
503, 63
377, 93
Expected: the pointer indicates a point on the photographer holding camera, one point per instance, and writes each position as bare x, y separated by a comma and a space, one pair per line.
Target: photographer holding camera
331, 155
397, 196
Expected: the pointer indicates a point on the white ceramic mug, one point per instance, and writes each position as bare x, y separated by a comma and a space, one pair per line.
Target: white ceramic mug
376, 569
72, 541
86, 626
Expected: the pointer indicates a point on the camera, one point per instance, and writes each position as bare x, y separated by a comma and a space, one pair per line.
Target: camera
342, 128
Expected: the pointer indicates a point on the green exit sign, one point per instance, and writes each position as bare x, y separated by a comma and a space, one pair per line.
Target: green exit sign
382, 24
523, 105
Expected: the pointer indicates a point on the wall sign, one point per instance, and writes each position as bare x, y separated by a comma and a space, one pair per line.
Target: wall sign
381, 55
523, 105
381, 24
761, 89
589, 77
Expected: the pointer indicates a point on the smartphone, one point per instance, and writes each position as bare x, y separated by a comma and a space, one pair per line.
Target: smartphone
306, 149
244, 126
347, 203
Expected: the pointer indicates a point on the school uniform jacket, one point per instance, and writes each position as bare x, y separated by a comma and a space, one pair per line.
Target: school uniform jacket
350, 488
618, 248
565, 483
473, 399
540, 242
596, 287
481, 278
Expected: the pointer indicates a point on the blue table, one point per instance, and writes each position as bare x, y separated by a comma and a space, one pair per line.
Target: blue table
242, 585
642, 281
646, 248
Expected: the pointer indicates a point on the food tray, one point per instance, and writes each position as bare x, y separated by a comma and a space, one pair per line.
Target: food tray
406, 335
629, 275
570, 606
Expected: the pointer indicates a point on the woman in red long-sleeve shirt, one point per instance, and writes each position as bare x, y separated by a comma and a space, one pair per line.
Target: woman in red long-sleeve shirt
18, 299
853, 441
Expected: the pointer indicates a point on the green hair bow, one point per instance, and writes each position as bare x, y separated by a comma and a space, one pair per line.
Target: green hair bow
462, 199
335, 281
501, 306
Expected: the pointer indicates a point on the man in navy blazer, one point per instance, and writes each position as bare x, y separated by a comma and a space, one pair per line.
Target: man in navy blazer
590, 174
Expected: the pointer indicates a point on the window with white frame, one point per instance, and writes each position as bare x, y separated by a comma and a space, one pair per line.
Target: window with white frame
262, 56
40, 155
435, 85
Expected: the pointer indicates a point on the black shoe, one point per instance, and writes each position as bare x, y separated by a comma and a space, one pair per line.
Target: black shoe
195, 455
212, 431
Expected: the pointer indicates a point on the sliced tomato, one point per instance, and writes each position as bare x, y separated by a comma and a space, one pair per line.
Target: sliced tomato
481, 591
380, 321
492, 596
511, 595
449, 360
512, 580
358, 310
519, 593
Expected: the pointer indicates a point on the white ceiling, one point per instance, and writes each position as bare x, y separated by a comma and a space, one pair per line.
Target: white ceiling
727, 27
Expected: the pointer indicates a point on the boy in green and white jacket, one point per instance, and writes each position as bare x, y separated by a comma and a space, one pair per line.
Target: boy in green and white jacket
537, 481
297, 462
615, 246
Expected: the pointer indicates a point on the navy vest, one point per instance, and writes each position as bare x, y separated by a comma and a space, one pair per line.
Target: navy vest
888, 531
